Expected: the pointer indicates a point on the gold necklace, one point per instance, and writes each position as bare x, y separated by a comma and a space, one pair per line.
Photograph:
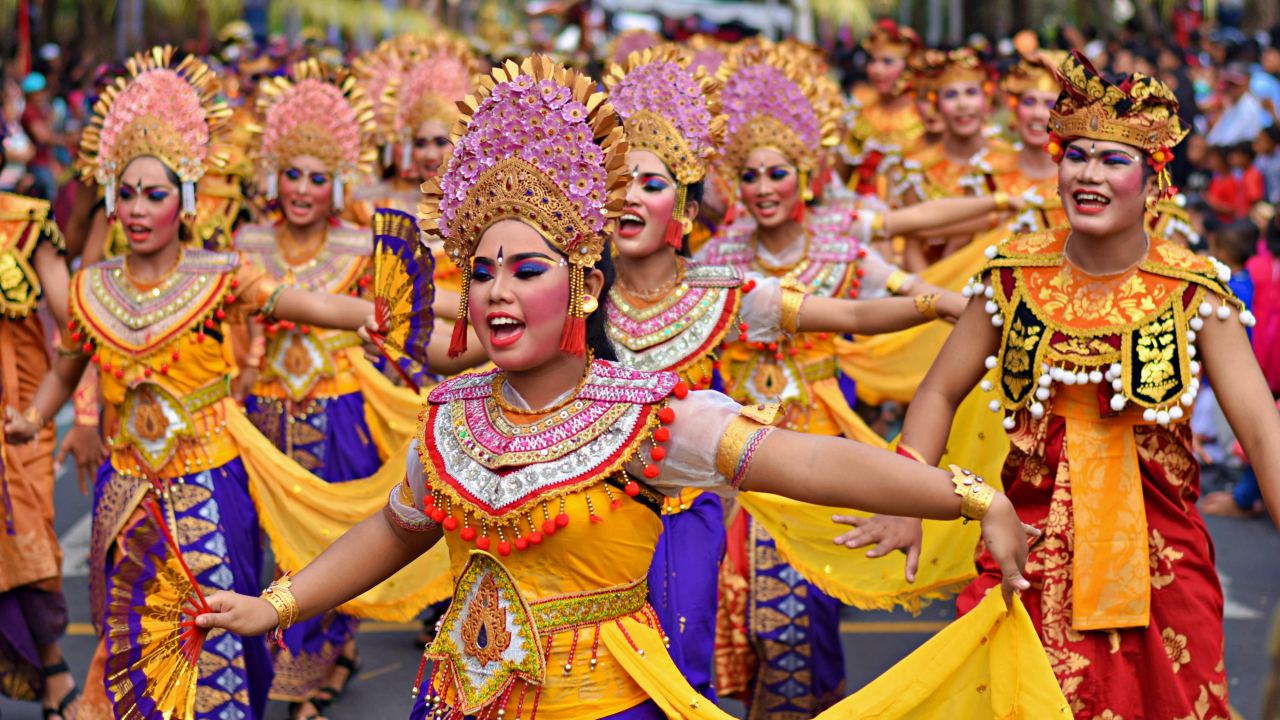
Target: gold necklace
507, 407
779, 269
141, 284
303, 259
657, 293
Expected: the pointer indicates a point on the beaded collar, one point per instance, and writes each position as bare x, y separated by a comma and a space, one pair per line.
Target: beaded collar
335, 268
829, 268
1132, 334
682, 328
481, 464
108, 310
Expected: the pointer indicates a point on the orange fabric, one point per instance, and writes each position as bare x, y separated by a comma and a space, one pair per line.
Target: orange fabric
1086, 302
1111, 563
31, 556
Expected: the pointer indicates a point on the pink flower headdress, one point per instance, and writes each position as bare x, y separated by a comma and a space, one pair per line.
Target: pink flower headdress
161, 110
536, 143
772, 98
437, 75
674, 113
317, 112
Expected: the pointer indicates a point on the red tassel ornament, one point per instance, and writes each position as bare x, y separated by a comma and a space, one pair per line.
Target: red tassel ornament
458, 341
573, 339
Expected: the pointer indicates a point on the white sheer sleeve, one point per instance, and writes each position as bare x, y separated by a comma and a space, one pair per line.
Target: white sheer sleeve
712, 441
406, 499
761, 309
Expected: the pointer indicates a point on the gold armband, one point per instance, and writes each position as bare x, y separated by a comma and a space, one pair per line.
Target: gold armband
269, 307
1002, 200
975, 494
927, 305
877, 226
792, 298
281, 598
742, 438
33, 416
897, 280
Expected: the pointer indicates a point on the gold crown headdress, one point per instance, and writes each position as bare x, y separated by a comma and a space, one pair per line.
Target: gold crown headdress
536, 143
168, 112
1139, 111
673, 112
890, 38
320, 112
772, 99
933, 69
1037, 68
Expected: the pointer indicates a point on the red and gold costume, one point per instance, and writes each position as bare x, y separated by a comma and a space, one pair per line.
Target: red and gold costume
1098, 376
874, 129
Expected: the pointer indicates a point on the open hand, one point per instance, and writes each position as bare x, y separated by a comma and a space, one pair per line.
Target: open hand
1008, 539
240, 614
887, 533
85, 443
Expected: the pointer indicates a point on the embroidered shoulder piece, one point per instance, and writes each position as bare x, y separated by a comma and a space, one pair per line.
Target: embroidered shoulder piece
682, 328
106, 309
484, 469
1132, 334
336, 268
24, 224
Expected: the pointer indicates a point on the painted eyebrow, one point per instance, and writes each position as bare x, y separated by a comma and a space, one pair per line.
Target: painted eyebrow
146, 188
533, 256
660, 175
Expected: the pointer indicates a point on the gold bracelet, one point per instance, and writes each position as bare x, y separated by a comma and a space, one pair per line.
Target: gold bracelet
877, 226
281, 598
1002, 200
975, 494
927, 305
897, 280
33, 416
792, 298
269, 307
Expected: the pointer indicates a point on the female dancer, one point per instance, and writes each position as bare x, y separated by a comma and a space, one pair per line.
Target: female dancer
33, 611
541, 475
153, 322
1098, 331
778, 124
882, 121
959, 87
309, 388
678, 322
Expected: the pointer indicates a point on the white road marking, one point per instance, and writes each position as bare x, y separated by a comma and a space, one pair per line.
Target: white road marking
75, 547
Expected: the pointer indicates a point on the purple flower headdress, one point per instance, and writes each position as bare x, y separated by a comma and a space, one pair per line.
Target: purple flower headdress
771, 99
535, 143
671, 111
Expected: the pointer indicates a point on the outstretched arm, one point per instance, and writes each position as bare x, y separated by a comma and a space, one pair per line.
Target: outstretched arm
929, 218
364, 556
1242, 392
872, 317
326, 310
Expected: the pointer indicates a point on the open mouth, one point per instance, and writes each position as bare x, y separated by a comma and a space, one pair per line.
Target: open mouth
504, 329
768, 208
137, 232
1090, 202
630, 225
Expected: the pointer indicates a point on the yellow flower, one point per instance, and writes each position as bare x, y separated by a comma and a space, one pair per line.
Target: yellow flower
1175, 646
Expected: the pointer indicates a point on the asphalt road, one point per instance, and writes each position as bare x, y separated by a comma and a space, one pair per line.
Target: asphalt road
1248, 553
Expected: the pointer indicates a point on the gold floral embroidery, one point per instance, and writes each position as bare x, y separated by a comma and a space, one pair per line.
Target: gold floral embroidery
1175, 646
1019, 352
484, 630
1163, 558
1155, 349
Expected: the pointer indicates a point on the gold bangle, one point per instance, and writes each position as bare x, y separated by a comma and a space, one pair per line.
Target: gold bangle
897, 280
877, 226
792, 299
975, 494
281, 598
927, 305
33, 416
1002, 200
269, 307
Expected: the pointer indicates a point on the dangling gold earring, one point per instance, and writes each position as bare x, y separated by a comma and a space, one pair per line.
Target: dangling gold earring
589, 304
1151, 203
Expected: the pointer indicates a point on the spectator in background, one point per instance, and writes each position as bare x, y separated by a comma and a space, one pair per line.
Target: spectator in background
37, 122
1236, 184
1266, 152
1243, 116
1264, 271
18, 149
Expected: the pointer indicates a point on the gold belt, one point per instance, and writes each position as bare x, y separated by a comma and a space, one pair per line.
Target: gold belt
340, 341
821, 370
202, 398
565, 612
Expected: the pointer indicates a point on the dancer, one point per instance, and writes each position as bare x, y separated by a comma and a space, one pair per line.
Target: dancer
307, 386
965, 162
550, 563
685, 310
153, 323
882, 119
33, 611
1098, 331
